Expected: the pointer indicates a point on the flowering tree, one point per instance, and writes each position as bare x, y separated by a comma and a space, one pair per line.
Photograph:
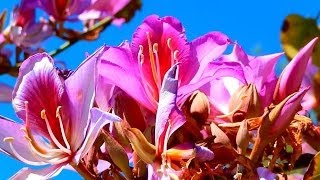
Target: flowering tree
160, 106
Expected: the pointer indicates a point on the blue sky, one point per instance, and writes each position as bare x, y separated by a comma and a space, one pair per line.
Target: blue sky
254, 24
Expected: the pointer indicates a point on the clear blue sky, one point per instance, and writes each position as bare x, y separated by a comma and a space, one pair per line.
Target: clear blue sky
255, 25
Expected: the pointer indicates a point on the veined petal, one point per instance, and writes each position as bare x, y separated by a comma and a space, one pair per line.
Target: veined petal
172, 46
98, 119
169, 118
291, 77
5, 93
8, 129
118, 67
213, 71
104, 93
38, 84
80, 87
206, 49
46, 173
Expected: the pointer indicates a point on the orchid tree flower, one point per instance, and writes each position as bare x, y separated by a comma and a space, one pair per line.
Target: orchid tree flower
23, 29
168, 119
59, 123
256, 71
5, 93
159, 43
64, 10
100, 9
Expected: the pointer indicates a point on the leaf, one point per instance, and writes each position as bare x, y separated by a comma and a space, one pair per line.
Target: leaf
296, 32
313, 171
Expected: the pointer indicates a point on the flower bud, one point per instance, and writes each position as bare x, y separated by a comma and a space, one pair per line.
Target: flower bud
199, 106
245, 103
291, 77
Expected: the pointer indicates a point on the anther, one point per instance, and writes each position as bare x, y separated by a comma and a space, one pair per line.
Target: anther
169, 43
140, 54
8, 139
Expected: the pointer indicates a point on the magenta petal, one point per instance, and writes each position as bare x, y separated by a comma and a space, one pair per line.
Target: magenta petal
38, 84
5, 93
9, 128
46, 173
169, 118
160, 30
118, 67
98, 119
104, 93
207, 48
291, 77
80, 87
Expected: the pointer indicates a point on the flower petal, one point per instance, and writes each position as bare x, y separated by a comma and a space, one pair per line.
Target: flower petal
118, 67
169, 118
9, 128
38, 84
160, 30
80, 87
46, 173
98, 119
207, 48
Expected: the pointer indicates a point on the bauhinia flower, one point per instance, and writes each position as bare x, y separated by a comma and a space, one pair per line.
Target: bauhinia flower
168, 119
62, 10
255, 75
59, 123
23, 29
100, 9
159, 43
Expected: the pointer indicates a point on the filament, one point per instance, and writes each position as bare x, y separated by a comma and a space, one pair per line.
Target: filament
53, 137
18, 156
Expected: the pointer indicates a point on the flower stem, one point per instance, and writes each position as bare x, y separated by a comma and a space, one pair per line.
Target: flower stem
82, 170
100, 25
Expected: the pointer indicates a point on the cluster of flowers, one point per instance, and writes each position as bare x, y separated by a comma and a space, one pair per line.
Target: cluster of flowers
162, 107
62, 19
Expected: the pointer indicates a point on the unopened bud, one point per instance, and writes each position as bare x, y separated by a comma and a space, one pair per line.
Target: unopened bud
199, 106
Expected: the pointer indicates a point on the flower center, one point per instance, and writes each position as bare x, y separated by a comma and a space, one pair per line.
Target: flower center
47, 153
153, 52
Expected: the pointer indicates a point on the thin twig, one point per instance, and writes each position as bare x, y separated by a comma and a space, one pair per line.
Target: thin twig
101, 24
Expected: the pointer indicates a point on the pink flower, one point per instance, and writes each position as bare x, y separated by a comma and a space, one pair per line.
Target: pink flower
59, 123
100, 9
159, 43
24, 30
62, 10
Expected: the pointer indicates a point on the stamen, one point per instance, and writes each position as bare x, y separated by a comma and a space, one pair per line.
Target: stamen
27, 130
175, 56
58, 160
53, 152
17, 155
53, 137
147, 86
171, 51
152, 61
155, 51
140, 55
63, 133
